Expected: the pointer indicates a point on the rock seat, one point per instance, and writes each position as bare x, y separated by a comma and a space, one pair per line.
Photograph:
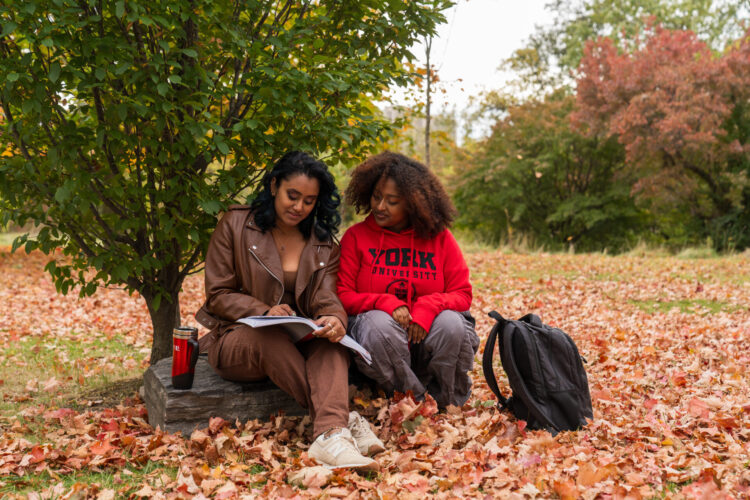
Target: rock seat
211, 396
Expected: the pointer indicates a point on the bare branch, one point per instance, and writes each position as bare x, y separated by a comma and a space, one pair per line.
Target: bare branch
114, 238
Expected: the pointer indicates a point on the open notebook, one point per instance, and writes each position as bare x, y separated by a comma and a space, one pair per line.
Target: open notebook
300, 329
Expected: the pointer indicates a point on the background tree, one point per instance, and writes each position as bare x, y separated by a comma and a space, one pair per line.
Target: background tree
132, 124
681, 115
553, 52
536, 177
660, 112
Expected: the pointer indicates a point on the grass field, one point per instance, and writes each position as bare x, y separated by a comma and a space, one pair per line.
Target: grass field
667, 344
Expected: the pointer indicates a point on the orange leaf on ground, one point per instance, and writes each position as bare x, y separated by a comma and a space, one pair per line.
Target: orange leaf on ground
566, 490
698, 408
101, 447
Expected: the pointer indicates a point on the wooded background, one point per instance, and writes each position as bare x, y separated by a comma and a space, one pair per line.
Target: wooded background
626, 123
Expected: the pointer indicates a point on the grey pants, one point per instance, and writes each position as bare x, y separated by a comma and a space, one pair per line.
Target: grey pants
439, 365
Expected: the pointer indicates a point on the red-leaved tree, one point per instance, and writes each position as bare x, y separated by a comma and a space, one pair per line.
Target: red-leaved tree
680, 111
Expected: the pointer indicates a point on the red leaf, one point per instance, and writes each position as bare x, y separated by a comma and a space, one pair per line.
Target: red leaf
678, 379
215, 424
698, 408
111, 426
101, 447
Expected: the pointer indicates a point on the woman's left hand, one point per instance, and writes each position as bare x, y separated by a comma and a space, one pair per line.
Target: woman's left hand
332, 329
415, 333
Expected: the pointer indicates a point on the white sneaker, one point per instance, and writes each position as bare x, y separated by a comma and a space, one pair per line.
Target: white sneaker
367, 442
338, 450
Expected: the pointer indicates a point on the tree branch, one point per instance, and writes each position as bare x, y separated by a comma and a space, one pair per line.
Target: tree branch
12, 125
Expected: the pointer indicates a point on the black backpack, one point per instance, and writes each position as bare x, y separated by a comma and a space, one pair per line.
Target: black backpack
545, 373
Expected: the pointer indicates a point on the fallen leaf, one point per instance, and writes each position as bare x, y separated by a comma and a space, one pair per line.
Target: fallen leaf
310, 477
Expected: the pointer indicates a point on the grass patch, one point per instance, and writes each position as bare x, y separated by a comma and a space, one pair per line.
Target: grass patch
125, 481
107, 395
702, 252
68, 372
474, 242
688, 306
670, 489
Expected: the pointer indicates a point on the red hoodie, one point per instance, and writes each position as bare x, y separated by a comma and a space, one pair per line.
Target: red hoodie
379, 266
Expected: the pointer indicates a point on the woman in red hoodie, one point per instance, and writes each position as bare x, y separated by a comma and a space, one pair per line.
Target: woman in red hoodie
405, 284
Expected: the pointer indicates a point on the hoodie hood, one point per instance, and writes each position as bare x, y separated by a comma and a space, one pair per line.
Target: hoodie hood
370, 222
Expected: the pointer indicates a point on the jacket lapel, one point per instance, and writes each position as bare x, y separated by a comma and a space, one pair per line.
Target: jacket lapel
314, 257
263, 247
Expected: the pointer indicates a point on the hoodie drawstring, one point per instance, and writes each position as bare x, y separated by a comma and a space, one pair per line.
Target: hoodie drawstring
409, 273
377, 255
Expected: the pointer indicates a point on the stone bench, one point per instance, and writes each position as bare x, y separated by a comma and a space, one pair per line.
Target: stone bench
211, 396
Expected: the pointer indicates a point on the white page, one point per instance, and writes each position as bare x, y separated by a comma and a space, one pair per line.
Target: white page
299, 328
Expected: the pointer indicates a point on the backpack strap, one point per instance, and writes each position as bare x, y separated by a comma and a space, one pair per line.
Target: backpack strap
489, 351
520, 390
532, 319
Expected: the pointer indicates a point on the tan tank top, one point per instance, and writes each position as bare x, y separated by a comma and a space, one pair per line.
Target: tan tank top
290, 280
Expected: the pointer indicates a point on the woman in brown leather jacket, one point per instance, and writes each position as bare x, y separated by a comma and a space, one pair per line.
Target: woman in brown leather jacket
277, 257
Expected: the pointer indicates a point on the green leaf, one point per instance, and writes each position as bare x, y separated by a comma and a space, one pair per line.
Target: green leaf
54, 71
162, 88
119, 8
190, 53
411, 425
8, 28
120, 273
212, 207
156, 303
62, 194
18, 242
221, 145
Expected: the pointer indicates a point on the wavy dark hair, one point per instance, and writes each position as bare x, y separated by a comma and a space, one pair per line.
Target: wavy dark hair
429, 207
324, 218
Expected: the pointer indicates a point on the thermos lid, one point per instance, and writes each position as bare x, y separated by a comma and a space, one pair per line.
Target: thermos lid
185, 332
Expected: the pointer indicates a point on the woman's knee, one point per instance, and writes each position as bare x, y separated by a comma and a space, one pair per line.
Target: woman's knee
331, 353
250, 345
375, 327
450, 335
448, 325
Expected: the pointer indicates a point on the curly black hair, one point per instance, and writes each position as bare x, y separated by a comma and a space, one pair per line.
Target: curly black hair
324, 218
429, 207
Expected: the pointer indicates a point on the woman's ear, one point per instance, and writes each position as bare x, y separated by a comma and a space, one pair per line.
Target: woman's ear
273, 187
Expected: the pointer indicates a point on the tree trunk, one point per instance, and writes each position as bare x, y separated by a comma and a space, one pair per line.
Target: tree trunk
428, 48
163, 320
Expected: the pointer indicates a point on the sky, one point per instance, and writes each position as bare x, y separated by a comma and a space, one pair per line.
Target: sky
477, 36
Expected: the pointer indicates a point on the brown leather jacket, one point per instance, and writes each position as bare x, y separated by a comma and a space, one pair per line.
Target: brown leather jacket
244, 276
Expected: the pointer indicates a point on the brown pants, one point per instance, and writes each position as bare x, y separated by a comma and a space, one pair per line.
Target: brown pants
315, 373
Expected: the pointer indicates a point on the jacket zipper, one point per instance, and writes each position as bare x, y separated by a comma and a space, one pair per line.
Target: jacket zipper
269, 272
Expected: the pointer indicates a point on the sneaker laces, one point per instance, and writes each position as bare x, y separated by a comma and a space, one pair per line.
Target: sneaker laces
360, 425
333, 432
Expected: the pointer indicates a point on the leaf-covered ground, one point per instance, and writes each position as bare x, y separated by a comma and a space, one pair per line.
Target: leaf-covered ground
667, 342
